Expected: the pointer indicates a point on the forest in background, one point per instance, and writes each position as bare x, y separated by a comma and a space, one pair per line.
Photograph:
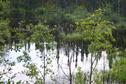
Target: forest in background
91, 26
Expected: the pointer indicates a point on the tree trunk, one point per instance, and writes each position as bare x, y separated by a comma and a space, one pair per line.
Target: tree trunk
44, 62
69, 66
70, 74
90, 76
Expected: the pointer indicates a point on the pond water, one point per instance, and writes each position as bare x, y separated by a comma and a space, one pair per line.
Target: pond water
59, 70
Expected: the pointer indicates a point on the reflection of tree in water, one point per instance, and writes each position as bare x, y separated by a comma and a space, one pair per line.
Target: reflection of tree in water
75, 25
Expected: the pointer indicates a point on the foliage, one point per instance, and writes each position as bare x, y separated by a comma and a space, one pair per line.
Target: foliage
75, 13
4, 32
24, 58
39, 81
98, 77
41, 34
32, 70
80, 24
4, 9
80, 77
118, 69
97, 30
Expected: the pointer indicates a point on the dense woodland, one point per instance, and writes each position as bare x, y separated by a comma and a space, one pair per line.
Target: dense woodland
84, 26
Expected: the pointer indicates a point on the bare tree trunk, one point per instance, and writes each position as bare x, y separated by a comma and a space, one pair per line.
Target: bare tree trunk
69, 66
91, 68
103, 69
70, 74
44, 70
44, 62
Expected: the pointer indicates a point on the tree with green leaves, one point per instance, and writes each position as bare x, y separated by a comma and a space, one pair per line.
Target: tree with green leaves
98, 31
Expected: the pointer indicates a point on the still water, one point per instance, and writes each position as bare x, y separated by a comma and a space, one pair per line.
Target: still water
60, 70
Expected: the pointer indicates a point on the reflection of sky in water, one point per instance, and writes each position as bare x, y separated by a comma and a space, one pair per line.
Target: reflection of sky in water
59, 73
